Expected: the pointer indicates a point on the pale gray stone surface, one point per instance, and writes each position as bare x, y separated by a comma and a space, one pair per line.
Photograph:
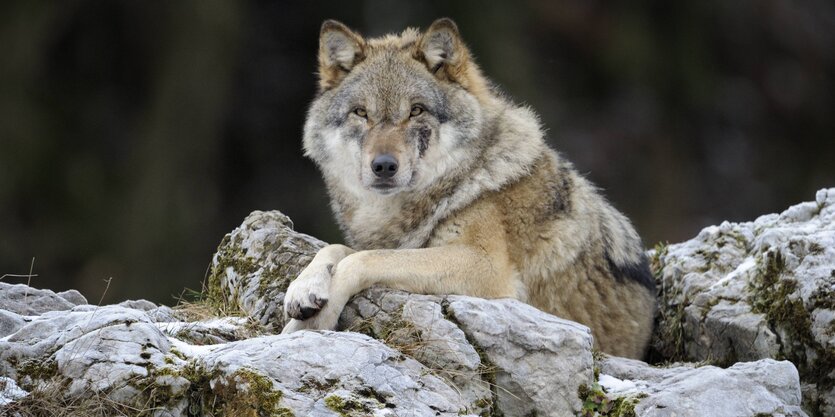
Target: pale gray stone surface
73, 297
761, 289
533, 362
426, 362
417, 325
28, 301
309, 367
10, 322
540, 360
764, 387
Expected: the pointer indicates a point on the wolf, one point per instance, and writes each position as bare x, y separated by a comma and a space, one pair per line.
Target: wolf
441, 185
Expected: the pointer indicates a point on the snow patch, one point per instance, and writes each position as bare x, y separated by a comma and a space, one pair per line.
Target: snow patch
9, 391
614, 385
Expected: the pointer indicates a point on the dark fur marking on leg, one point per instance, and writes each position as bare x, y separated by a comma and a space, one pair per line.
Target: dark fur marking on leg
632, 271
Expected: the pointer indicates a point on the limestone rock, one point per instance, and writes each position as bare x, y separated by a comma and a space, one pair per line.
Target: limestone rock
540, 360
502, 353
417, 326
73, 297
443, 356
325, 373
255, 263
727, 295
764, 387
10, 322
761, 289
24, 300
99, 350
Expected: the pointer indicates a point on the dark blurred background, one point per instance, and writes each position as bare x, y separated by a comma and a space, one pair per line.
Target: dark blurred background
134, 134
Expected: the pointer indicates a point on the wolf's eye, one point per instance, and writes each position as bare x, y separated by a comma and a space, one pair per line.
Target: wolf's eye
417, 110
359, 111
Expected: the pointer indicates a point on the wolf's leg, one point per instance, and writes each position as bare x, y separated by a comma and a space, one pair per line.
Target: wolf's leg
455, 269
308, 293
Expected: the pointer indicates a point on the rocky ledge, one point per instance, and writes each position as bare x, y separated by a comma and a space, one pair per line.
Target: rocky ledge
744, 307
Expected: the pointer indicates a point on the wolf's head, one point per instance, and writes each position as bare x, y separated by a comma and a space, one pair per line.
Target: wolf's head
397, 112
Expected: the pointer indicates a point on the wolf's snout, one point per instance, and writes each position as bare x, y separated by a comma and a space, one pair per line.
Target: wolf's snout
384, 166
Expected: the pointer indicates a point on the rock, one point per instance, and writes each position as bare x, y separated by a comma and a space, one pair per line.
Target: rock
499, 353
764, 387
73, 297
143, 305
255, 263
109, 359
10, 322
417, 326
761, 289
429, 360
28, 301
540, 360
327, 373
406, 354
70, 338
207, 332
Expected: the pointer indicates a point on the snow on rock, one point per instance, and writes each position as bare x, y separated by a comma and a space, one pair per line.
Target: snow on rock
9, 391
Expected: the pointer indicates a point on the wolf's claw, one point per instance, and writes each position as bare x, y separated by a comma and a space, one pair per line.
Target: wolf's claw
307, 312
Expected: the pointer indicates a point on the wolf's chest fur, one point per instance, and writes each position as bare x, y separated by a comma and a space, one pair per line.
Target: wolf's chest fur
396, 222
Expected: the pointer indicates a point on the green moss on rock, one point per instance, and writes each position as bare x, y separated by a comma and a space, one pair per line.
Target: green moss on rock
350, 407
34, 370
668, 338
596, 403
243, 393
229, 254
776, 297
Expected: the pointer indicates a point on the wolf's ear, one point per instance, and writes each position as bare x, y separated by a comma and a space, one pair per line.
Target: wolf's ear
441, 48
340, 49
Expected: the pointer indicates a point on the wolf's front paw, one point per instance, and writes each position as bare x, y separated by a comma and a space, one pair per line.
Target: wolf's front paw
308, 294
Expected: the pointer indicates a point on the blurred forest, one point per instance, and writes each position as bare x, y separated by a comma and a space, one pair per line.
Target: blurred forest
135, 134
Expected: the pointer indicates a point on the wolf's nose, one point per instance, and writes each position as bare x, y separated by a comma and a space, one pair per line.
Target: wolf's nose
384, 166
